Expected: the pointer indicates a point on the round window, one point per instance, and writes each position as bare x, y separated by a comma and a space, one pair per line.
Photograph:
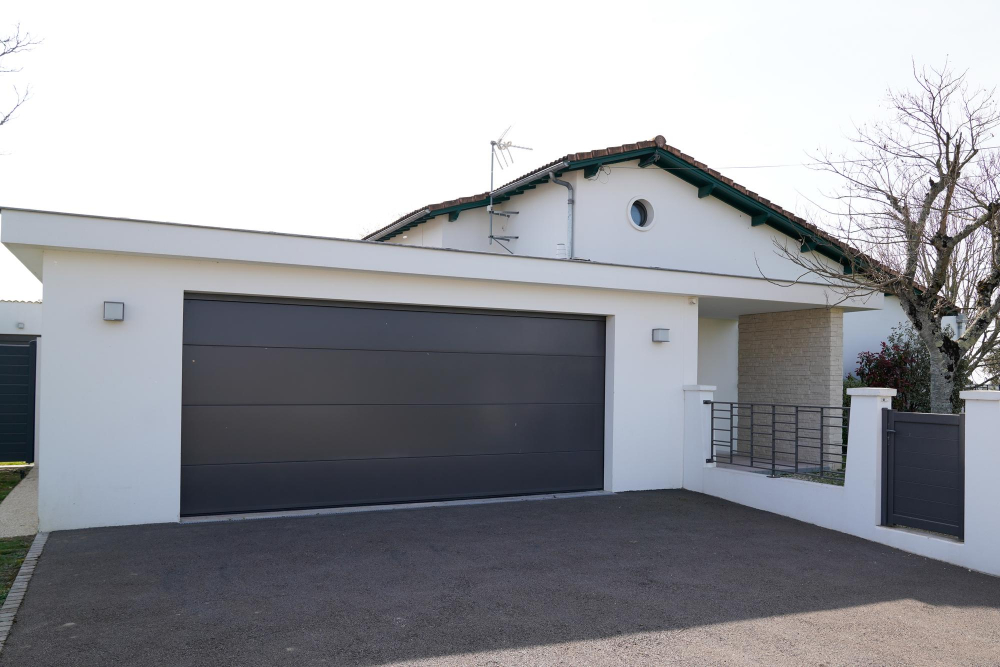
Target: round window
640, 214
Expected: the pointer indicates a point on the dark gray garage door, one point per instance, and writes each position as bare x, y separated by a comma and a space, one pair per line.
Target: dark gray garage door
307, 404
17, 399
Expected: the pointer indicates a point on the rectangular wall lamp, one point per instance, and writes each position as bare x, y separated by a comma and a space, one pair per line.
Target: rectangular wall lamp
661, 335
114, 311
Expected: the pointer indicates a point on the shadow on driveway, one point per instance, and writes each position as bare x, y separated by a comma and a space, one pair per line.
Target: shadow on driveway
650, 577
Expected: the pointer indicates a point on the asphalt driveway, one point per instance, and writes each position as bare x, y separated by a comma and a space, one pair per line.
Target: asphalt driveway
655, 577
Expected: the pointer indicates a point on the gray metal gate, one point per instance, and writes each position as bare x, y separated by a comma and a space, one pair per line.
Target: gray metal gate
923, 471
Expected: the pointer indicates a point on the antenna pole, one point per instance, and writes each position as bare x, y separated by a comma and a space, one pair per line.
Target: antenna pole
492, 160
501, 145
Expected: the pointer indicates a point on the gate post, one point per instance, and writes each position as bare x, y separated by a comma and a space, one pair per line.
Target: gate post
863, 474
982, 494
697, 434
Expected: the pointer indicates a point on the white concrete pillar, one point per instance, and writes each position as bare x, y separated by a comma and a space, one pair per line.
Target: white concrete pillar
982, 493
863, 477
697, 434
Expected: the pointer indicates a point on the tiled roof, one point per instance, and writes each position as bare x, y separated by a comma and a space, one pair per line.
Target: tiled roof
17, 301
690, 169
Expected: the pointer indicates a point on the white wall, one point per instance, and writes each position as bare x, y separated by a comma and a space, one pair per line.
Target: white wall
112, 391
687, 232
855, 507
27, 313
540, 224
718, 356
865, 331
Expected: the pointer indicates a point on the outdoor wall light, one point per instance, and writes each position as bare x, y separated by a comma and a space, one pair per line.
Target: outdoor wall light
114, 311
661, 335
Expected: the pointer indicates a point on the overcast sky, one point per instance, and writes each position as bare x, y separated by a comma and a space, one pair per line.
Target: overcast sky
335, 118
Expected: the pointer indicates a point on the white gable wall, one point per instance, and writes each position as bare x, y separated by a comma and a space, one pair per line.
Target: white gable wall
687, 233
540, 224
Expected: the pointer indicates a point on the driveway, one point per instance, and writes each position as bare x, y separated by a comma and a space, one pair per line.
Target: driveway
666, 577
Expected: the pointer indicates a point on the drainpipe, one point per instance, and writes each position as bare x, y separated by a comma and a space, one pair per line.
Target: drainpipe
569, 213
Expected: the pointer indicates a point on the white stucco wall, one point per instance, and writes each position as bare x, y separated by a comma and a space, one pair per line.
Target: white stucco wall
540, 224
864, 331
687, 232
718, 356
855, 508
27, 313
112, 390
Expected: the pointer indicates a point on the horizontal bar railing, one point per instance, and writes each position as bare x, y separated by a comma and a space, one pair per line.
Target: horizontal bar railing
781, 439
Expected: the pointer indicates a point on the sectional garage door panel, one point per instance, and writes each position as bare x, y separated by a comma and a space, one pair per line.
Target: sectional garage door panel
287, 376
308, 484
360, 327
312, 404
17, 401
275, 433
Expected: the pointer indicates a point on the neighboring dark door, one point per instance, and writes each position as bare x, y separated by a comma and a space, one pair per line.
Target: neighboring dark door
924, 471
17, 400
307, 404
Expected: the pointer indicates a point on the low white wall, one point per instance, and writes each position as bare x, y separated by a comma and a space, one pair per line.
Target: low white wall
855, 508
112, 391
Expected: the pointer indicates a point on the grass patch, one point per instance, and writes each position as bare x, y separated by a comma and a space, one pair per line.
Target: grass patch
8, 480
12, 553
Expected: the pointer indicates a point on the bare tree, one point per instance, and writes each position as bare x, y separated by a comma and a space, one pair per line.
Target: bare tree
11, 45
919, 210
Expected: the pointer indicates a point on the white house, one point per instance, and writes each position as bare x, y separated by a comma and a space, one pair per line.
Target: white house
215, 371
648, 204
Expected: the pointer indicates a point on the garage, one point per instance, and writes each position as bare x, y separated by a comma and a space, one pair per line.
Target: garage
298, 404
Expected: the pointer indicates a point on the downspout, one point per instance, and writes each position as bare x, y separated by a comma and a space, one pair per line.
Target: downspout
569, 213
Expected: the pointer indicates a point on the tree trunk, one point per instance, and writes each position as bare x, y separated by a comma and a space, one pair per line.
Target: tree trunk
944, 356
942, 383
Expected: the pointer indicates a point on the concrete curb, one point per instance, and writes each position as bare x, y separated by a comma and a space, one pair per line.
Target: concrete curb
19, 587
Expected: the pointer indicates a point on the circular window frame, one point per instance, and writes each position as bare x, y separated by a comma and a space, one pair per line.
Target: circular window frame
650, 214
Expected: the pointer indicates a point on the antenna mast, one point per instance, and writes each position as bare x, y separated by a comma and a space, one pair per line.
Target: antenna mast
500, 150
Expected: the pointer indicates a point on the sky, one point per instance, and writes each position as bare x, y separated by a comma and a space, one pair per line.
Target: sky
334, 119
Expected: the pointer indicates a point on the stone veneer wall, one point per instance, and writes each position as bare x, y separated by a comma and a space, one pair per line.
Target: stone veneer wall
792, 358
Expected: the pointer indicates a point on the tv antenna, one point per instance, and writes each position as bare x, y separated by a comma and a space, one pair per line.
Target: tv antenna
501, 156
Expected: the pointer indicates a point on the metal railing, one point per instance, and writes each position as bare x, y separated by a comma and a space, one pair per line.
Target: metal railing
781, 439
